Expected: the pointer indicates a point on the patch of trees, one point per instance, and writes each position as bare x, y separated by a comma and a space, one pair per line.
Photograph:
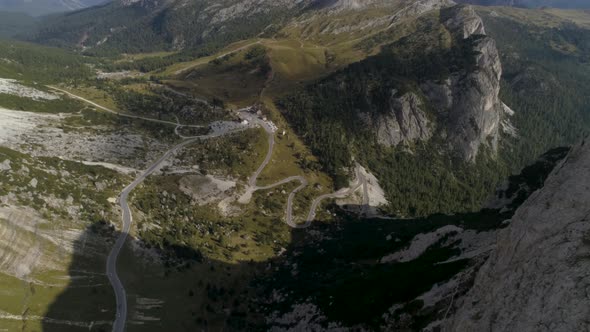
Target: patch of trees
42, 64
426, 181
547, 85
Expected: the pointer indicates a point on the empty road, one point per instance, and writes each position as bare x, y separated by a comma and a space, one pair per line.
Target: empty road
218, 129
360, 181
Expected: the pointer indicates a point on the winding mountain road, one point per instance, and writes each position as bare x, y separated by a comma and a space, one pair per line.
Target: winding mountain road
218, 130
360, 181
127, 218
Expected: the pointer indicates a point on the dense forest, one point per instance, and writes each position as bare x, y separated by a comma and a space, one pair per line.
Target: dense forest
547, 84
548, 87
113, 28
31, 62
418, 180
13, 24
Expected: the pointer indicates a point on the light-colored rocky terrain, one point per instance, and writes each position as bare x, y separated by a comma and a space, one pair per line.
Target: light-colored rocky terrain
405, 122
12, 87
471, 97
44, 135
466, 109
537, 278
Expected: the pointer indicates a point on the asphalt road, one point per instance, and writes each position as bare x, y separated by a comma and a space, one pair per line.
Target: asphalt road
121, 298
361, 181
127, 218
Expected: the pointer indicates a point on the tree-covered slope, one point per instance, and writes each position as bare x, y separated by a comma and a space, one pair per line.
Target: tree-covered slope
12, 24
388, 113
143, 26
30, 62
44, 7
546, 79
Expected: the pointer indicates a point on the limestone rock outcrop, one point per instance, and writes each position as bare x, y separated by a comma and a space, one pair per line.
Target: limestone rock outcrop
466, 105
405, 122
469, 98
538, 277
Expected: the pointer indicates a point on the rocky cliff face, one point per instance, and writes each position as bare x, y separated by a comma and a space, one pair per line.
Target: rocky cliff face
538, 276
466, 103
404, 123
469, 97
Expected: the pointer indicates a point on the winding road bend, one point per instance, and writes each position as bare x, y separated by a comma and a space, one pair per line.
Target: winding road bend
218, 130
127, 218
360, 181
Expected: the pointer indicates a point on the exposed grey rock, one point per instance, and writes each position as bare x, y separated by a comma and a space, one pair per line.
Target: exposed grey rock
5, 165
475, 116
439, 94
469, 99
405, 122
413, 8
538, 277
420, 244
464, 20
469, 110
246, 8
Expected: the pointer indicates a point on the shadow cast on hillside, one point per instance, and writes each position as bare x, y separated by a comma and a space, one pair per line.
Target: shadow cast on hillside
332, 264
88, 302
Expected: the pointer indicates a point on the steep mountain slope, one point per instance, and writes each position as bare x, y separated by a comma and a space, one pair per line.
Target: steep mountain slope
427, 99
546, 76
433, 92
44, 7
531, 3
34, 63
139, 26
12, 24
537, 277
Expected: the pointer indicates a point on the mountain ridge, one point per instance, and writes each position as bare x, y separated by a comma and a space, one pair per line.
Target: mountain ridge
45, 7
565, 4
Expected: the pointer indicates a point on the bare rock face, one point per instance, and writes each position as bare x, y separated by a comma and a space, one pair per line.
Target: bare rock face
538, 277
467, 107
405, 122
465, 20
469, 98
413, 8
475, 117
245, 8
147, 4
